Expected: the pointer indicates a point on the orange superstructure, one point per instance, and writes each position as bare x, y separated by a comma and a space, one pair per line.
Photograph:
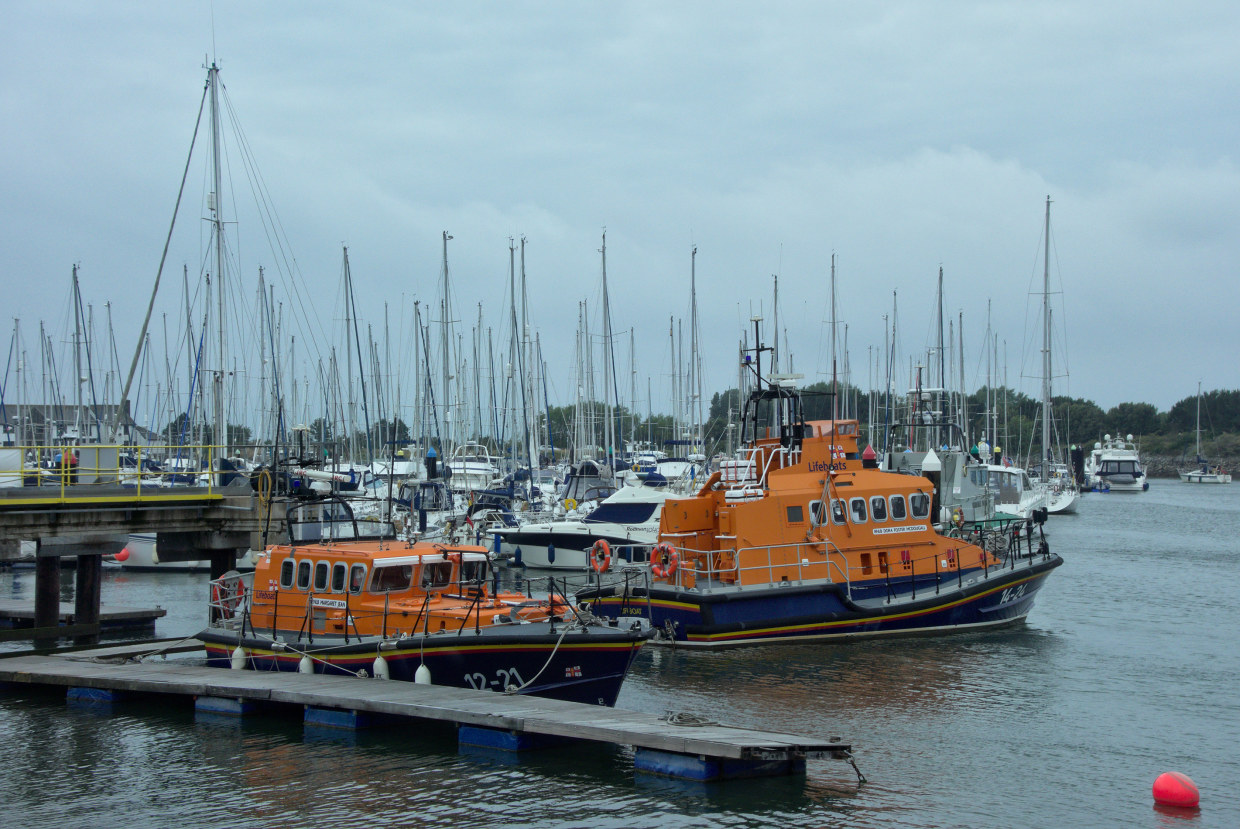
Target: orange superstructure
416, 611
800, 536
808, 509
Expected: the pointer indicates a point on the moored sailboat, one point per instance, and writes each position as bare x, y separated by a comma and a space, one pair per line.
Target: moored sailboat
1204, 472
1055, 482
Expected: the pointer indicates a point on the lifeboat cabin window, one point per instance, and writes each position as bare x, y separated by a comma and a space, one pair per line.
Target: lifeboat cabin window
438, 574
338, 572
878, 507
286, 572
796, 514
392, 577
857, 507
320, 577
815, 513
357, 578
898, 511
837, 511
473, 573
303, 575
919, 502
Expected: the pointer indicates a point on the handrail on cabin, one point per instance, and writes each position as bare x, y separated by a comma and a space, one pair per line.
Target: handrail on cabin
1009, 557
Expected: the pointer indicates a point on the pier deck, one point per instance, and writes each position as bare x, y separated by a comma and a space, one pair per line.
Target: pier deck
699, 751
17, 613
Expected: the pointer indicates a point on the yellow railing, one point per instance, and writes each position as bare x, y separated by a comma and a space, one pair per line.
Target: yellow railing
74, 470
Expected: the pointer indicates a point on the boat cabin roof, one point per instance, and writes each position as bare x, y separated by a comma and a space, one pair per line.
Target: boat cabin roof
394, 555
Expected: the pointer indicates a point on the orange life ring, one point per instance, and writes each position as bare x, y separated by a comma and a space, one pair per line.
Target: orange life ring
225, 597
664, 560
600, 556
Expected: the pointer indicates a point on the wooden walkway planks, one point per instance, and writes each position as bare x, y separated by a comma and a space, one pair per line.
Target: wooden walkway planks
485, 709
19, 610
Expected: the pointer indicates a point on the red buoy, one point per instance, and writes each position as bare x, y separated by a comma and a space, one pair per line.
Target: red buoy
1175, 789
123, 555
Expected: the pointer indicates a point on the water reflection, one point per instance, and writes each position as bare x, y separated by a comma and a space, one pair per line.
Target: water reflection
1126, 667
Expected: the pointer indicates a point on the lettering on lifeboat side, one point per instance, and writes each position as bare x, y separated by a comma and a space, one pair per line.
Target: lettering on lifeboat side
911, 528
1011, 594
335, 604
819, 466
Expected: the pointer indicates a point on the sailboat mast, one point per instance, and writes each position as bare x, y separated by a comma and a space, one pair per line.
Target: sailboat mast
941, 438
1046, 344
220, 428
77, 356
835, 413
609, 431
695, 358
447, 351
1198, 420
524, 366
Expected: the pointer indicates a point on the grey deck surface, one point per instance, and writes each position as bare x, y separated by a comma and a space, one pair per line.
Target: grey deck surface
24, 609
488, 709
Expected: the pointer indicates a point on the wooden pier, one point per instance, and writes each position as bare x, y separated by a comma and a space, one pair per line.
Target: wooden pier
16, 614
685, 747
190, 522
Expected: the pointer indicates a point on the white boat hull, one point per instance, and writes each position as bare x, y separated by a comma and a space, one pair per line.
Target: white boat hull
564, 545
1062, 502
1205, 477
143, 554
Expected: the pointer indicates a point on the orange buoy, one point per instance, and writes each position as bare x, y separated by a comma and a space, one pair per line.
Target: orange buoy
123, 555
1175, 789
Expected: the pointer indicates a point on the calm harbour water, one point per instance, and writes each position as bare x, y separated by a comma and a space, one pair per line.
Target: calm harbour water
1127, 667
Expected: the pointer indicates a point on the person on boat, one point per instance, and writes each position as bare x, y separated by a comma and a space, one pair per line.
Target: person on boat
983, 450
973, 451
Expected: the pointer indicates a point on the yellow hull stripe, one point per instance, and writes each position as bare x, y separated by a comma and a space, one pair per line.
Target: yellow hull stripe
296, 651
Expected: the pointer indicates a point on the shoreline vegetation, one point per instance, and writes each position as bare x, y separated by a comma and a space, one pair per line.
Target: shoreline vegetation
1166, 440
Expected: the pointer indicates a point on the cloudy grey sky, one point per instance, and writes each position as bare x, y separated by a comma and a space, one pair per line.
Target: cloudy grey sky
902, 136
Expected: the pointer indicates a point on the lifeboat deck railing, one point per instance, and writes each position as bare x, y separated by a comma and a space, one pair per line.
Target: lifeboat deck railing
1002, 546
234, 602
744, 473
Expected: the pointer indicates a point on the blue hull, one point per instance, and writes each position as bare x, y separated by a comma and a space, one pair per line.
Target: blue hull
730, 617
586, 667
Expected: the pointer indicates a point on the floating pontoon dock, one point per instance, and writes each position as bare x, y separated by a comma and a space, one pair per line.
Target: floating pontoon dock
684, 747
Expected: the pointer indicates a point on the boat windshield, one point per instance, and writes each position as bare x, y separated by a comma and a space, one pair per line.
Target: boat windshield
436, 574
622, 513
391, 578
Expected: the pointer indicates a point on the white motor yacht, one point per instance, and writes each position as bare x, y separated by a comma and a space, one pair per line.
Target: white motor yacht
1114, 465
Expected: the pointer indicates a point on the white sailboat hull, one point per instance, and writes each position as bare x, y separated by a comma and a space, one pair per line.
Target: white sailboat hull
1205, 477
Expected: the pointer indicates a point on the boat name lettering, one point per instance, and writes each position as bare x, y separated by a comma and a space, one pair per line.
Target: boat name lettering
912, 528
1012, 594
265, 595
504, 677
819, 466
337, 604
